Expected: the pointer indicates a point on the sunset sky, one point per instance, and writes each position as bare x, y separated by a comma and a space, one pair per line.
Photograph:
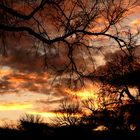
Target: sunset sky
26, 88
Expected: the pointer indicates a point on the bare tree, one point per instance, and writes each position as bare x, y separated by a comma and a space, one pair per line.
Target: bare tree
69, 114
67, 33
120, 76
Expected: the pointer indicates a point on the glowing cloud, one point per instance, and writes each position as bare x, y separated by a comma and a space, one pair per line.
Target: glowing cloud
90, 92
14, 106
83, 94
135, 22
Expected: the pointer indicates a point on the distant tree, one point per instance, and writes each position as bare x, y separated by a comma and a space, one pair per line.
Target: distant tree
69, 114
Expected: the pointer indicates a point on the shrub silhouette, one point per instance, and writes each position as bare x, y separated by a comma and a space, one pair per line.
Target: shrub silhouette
33, 127
31, 123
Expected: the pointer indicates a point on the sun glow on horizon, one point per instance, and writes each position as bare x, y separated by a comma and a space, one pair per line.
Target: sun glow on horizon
48, 116
87, 94
14, 106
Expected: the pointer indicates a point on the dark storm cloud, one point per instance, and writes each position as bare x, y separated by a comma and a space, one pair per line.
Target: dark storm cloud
26, 54
19, 58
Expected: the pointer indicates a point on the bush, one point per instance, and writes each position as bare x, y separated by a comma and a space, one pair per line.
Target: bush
29, 122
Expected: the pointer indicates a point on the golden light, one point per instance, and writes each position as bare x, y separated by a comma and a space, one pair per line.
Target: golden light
85, 94
44, 114
48, 116
14, 106
5, 71
89, 91
135, 22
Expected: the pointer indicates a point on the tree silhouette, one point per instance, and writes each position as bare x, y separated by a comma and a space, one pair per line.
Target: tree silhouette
120, 76
66, 33
31, 123
68, 114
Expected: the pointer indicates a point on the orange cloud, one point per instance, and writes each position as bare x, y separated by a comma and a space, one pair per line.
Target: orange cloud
16, 80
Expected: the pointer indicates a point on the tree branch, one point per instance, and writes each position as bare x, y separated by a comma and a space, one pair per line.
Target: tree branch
23, 16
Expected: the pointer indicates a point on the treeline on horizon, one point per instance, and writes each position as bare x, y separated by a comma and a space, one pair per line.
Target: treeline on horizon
123, 122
